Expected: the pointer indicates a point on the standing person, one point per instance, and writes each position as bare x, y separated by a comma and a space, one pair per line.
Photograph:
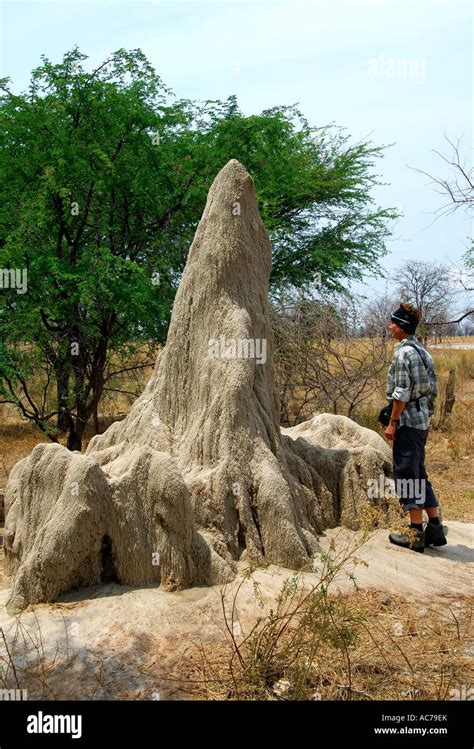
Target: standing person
412, 390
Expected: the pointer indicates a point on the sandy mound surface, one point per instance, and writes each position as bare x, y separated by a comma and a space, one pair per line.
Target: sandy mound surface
191, 482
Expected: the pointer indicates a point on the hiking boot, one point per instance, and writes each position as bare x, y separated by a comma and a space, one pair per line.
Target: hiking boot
414, 540
435, 535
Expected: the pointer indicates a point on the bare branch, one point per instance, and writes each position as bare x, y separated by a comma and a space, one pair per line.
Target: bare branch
452, 322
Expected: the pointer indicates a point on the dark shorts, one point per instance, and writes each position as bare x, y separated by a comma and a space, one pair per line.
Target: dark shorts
411, 480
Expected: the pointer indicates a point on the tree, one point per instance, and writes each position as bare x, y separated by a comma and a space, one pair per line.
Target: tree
467, 274
459, 186
321, 364
428, 286
376, 316
459, 189
103, 177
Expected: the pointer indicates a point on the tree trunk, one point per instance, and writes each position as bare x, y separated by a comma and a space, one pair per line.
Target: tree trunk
96, 419
449, 396
74, 441
62, 390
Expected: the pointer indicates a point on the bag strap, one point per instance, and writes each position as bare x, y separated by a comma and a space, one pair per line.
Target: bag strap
423, 395
412, 345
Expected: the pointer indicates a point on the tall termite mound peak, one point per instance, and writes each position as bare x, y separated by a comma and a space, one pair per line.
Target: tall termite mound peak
198, 475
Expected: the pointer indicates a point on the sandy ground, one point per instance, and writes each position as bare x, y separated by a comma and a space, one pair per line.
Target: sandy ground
460, 346
113, 641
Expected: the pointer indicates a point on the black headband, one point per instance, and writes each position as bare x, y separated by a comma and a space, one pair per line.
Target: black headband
407, 321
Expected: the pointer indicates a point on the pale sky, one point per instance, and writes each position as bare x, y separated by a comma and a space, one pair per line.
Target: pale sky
395, 72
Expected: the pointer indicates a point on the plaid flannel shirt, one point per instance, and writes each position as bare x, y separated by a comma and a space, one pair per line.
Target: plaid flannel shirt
410, 377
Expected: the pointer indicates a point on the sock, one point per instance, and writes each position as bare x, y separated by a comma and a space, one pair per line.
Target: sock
417, 526
433, 521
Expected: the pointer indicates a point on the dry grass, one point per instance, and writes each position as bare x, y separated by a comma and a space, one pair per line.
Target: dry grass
449, 450
317, 645
368, 649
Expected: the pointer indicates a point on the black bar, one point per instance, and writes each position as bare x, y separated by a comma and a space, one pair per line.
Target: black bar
317, 723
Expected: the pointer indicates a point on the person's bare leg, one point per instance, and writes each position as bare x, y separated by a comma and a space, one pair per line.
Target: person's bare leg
432, 512
416, 516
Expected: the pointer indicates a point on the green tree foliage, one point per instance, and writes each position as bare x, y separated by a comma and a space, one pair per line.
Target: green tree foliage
103, 178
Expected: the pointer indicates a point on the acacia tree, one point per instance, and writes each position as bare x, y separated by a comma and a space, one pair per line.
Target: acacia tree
103, 178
